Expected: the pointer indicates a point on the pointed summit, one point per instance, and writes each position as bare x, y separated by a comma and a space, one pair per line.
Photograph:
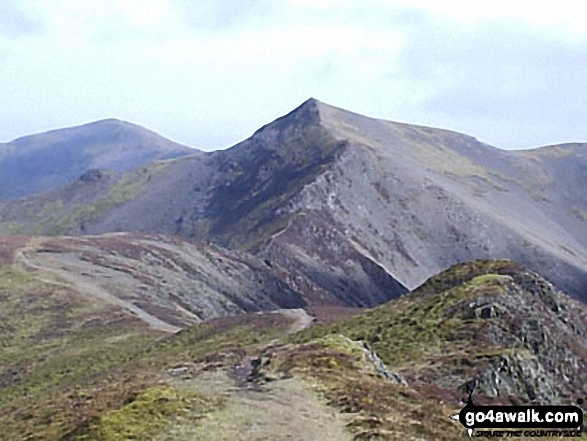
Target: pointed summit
306, 113
311, 102
318, 107
310, 112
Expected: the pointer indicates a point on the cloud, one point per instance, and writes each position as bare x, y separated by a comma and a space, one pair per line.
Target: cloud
535, 13
499, 73
209, 73
225, 15
14, 23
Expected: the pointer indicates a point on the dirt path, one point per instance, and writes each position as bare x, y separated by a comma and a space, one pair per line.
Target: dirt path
279, 411
301, 318
78, 282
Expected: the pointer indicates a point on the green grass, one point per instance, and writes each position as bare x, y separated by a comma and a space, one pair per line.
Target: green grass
429, 334
421, 324
149, 415
54, 215
124, 189
380, 409
55, 344
107, 381
241, 334
67, 361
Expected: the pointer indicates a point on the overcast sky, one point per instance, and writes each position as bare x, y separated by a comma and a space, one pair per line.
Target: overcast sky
208, 73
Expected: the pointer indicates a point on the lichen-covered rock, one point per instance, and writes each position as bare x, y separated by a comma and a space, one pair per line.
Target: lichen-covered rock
518, 375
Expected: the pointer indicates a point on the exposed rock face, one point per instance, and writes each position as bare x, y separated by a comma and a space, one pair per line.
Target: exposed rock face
553, 332
542, 334
519, 375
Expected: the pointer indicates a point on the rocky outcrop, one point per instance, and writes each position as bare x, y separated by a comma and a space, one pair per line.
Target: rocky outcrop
491, 328
519, 376
378, 364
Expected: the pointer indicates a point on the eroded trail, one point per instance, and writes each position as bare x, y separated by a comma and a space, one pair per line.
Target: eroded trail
27, 257
278, 411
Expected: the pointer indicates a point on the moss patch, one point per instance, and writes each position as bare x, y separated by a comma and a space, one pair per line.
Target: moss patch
150, 414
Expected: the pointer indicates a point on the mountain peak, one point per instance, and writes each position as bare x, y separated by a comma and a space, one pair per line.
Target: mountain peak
73, 130
36, 163
310, 102
313, 104
110, 123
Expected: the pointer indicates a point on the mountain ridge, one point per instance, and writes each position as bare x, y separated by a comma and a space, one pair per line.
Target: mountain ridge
397, 199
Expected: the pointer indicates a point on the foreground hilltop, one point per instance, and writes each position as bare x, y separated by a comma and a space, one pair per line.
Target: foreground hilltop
395, 372
362, 207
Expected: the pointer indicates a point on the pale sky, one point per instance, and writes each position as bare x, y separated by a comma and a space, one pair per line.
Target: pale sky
208, 73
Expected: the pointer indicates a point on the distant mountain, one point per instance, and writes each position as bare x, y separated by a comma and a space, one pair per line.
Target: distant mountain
37, 163
361, 207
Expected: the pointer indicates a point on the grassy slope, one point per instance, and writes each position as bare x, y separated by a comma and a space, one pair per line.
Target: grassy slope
57, 349
57, 212
156, 405
418, 324
70, 366
109, 382
423, 336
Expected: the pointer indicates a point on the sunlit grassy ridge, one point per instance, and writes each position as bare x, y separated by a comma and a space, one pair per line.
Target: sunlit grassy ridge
54, 213
123, 190
423, 322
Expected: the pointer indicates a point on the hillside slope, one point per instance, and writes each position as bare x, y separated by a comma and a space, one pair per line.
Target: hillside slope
443, 198
490, 327
169, 283
37, 163
398, 371
360, 206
